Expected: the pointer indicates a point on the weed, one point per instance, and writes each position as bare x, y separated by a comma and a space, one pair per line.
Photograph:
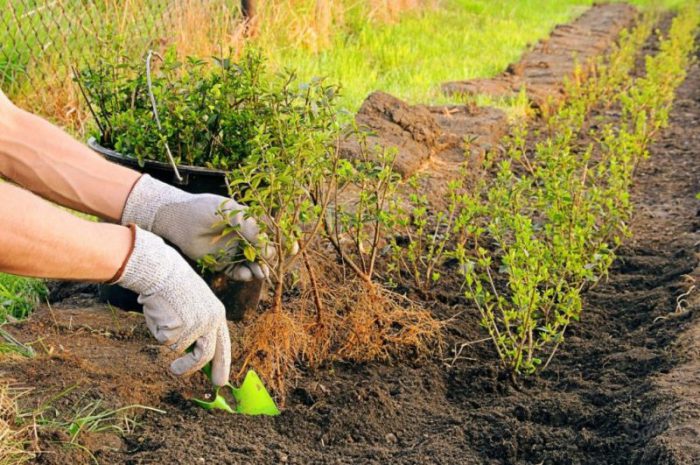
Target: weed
10, 345
86, 416
19, 296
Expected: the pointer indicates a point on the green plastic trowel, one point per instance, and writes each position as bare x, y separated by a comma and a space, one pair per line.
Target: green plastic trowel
251, 398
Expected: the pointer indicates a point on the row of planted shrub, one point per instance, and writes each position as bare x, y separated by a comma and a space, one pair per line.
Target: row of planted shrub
547, 227
529, 240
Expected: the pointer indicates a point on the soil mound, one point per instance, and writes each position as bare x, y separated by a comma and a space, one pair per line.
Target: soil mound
392, 123
468, 133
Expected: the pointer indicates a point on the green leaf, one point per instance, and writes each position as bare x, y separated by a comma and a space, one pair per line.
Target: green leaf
250, 253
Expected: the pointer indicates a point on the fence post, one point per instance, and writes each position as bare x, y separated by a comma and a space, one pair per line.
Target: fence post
249, 12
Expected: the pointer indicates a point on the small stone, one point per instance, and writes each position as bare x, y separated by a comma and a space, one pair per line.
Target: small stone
391, 438
282, 457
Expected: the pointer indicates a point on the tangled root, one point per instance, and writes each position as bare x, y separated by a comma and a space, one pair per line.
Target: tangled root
272, 344
359, 322
321, 337
380, 324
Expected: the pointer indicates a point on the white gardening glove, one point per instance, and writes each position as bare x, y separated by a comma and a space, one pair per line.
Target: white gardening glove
179, 307
193, 222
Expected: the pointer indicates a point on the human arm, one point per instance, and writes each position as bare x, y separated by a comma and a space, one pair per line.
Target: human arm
40, 240
47, 161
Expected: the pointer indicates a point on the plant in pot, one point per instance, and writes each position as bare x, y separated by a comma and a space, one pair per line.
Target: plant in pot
185, 123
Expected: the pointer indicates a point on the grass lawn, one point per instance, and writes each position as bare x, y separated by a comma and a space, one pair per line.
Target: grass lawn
19, 296
460, 39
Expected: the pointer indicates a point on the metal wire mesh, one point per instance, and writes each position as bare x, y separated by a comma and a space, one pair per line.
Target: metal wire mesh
41, 38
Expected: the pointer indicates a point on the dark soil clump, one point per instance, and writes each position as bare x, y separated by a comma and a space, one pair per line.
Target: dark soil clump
392, 123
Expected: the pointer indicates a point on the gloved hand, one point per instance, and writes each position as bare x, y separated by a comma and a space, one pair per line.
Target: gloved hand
194, 223
179, 307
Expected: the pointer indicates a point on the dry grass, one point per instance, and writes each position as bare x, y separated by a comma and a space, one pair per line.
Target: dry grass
59, 100
192, 27
204, 29
13, 439
311, 24
212, 28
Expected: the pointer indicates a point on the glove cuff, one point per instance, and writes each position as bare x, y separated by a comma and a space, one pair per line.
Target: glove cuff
150, 264
118, 275
145, 200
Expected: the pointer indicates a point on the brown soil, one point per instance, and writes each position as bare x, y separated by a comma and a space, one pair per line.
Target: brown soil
391, 122
625, 388
430, 140
469, 132
543, 70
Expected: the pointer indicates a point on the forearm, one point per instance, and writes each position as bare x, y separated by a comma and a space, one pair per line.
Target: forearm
47, 161
40, 240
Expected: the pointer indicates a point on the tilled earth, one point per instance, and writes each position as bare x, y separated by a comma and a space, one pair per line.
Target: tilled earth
624, 389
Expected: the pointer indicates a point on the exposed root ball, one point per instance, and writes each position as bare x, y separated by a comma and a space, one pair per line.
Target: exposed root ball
379, 324
321, 339
271, 345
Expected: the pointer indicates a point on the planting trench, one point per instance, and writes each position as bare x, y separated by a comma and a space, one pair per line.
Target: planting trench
625, 388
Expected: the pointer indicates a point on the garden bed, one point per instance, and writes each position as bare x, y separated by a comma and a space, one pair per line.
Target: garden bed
623, 389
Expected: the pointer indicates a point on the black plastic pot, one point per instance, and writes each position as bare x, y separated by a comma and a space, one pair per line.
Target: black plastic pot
238, 297
195, 179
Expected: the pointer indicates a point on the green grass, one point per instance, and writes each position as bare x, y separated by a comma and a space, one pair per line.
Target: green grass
19, 296
459, 39
410, 59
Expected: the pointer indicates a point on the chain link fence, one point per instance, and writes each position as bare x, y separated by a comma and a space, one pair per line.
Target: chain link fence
41, 38
42, 42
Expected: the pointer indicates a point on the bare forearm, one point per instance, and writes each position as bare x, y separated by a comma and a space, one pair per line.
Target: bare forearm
45, 160
40, 240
